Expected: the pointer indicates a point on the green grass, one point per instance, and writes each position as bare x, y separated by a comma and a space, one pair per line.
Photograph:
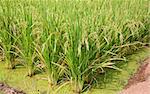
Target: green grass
73, 41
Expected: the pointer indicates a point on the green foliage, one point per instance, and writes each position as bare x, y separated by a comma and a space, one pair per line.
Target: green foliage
72, 40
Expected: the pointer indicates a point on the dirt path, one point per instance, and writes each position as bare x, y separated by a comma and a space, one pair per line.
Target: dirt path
9, 90
140, 82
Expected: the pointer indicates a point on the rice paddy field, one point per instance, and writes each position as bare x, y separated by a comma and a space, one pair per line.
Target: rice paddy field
71, 43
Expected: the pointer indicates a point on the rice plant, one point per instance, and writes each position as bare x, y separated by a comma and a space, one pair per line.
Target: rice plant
8, 34
25, 42
75, 40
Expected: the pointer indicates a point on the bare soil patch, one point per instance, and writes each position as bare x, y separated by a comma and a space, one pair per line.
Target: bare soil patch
139, 83
9, 90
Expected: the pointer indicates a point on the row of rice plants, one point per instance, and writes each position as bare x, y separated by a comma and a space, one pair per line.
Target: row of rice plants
72, 40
